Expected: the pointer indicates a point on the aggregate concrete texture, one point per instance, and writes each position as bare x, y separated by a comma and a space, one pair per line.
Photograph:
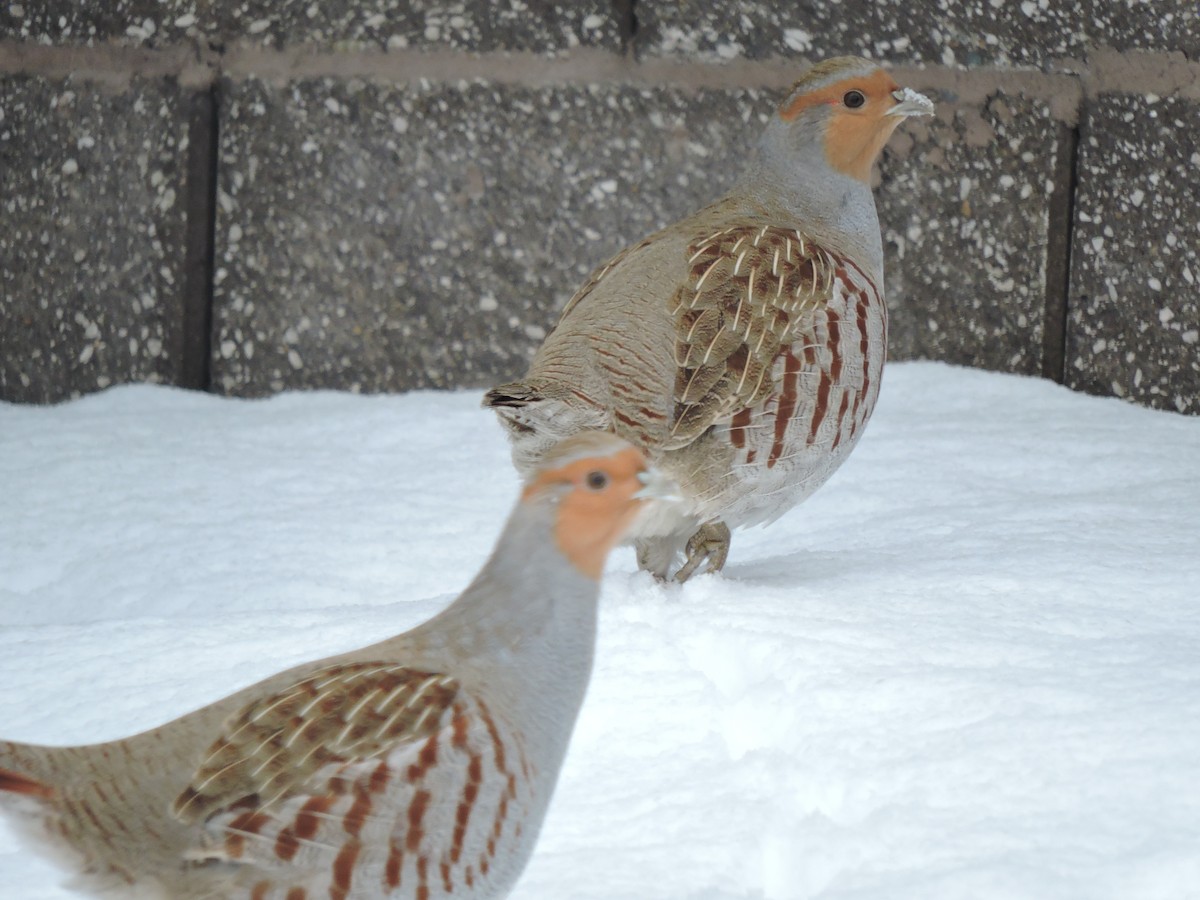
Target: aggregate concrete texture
972, 33
964, 206
68, 22
1134, 323
537, 26
91, 194
383, 238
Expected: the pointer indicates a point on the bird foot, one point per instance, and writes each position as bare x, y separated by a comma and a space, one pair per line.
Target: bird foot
710, 544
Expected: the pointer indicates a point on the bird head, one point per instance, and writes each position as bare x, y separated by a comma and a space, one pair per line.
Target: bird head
845, 108
597, 484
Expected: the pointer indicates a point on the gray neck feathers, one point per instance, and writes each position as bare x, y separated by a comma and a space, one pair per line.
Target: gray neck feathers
790, 170
526, 626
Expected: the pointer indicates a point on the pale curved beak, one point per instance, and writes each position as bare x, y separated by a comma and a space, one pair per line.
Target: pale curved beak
657, 486
910, 103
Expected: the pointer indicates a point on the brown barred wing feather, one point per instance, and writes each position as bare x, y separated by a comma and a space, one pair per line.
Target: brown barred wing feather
333, 716
405, 782
747, 288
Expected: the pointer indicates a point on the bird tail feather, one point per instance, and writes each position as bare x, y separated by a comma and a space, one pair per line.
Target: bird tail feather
17, 783
514, 394
27, 770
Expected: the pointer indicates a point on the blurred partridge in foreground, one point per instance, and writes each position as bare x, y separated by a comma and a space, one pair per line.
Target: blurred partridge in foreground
741, 347
418, 767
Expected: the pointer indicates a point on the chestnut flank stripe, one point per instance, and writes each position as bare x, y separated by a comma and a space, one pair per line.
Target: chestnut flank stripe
422, 878
379, 778
308, 820
864, 347
416, 814
459, 724
343, 870
394, 865
426, 761
462, 815
737, 431
834, 324
841, 419
357, 815
787, 404
246, 823
821, 407
286, 845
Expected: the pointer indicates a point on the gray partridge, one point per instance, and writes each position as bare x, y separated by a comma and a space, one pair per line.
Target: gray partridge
741, 347
417, 767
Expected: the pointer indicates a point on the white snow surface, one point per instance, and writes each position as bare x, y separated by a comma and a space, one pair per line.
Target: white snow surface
968, 667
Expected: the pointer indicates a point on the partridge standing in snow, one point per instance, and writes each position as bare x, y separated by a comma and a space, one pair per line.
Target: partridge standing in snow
741, 347
418, 767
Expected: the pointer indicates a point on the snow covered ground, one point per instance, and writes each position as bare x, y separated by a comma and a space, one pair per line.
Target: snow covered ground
969, 667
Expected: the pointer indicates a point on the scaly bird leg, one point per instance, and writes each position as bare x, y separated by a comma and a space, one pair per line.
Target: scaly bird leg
710, 544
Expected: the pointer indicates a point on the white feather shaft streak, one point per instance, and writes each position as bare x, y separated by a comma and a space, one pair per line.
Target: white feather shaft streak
711, 345
700, 283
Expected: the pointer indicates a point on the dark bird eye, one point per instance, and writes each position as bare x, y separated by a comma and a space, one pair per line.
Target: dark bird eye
854, 99
596, 481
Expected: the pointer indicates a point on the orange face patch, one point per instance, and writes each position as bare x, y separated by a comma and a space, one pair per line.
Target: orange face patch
875, 87
592, 519
855, 136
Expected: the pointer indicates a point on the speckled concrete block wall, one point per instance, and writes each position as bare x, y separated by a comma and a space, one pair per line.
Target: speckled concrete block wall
966, 210
1135, 270
385, 195
433, 275
92, 245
